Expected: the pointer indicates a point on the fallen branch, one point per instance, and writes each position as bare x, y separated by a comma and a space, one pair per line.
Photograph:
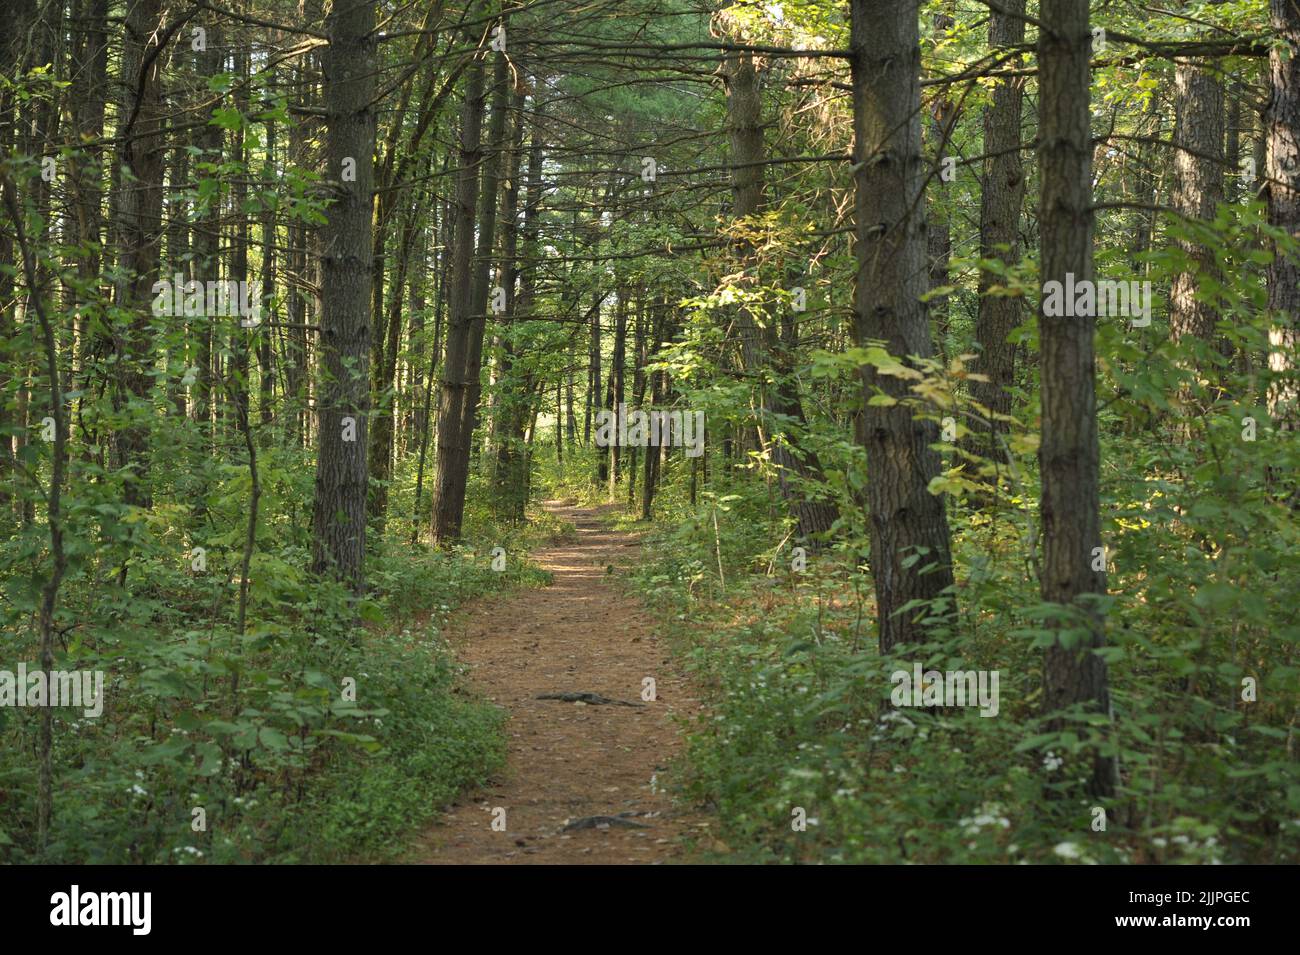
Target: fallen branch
595, 699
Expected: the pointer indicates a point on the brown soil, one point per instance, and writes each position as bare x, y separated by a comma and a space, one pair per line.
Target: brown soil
568, 761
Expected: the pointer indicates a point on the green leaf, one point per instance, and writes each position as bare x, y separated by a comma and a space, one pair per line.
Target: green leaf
170, 749
273, 739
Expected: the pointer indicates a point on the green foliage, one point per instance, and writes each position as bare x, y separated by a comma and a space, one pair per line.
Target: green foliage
257, 722
263, 733
1198, 521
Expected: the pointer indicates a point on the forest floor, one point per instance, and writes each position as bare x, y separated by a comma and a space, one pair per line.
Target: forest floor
570, 761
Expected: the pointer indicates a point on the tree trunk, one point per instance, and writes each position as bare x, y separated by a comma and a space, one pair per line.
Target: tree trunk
510, 475
207, 237
178, 235
650, 475
1001, 195
239, 384
1282, 126
139, 213
616, 388
339, 516
1198, 188
909, 530
1069, 455
489, 199
416, 345
263, 334
90, 67
762, 358
456, 423
638, 386
384, 378
453, 443
944, 113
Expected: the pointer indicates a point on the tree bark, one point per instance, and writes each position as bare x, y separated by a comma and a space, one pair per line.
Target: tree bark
650, 475
139, 213
1282, 127
615, 387
453, 443
1198, 189
207, 236
1001, 196
339, 514
910, 551
945, 110
762, 357
1069, 454
488, 205
90, 69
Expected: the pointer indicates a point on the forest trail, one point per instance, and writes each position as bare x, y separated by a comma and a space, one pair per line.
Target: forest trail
569, 761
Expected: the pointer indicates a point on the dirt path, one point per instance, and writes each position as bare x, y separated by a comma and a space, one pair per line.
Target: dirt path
568, 761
